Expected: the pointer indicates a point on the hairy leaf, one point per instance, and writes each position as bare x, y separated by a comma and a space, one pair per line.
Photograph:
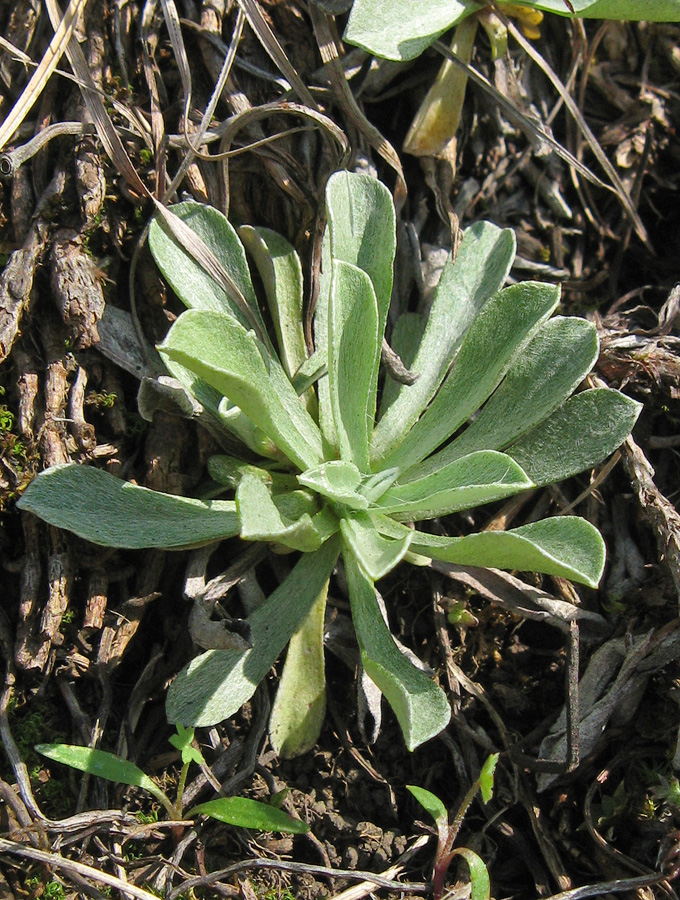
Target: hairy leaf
281, 273
353, 358
419, 704
402, 29
300, 705
216, 684
541, 378
377, 554
463, 484
234, 362
105, 510
497, 335
563, 545
578, 435
481, 266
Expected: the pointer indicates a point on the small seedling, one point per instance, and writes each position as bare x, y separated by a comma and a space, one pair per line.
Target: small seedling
343, 460
240, 811
447, 832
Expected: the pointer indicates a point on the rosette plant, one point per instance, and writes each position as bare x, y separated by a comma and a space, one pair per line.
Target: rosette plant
342, 460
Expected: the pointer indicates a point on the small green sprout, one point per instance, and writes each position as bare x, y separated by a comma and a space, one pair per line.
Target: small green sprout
342, 460
447, 832
240, 811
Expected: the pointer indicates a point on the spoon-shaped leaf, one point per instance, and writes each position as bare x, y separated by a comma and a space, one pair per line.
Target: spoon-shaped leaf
105, 510
281, 273
547, 371
578, 435
402, 29
563, 545
353, 358
300, 705
247, 813
234, 362
192, 284
216, 684
499, 332
418, 703
481, 266
465, 483
103, 765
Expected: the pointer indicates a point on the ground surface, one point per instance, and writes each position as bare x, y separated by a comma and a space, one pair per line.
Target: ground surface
90, 638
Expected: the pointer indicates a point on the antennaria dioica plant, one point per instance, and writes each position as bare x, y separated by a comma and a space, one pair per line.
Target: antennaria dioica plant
346, 468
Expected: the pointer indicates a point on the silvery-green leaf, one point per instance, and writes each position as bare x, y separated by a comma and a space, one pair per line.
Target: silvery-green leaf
217, 683
194, 287
578, 435
404, 340
564, 545
419, 704
300, 705
321, 338
261, 519
310, 371
281, 273
229, 470
547, 371
376, 553
338, 480
482, 264
402, 29
353, 359
105, 510
362, 229
463, 484
246, 813
234, 362
497, 335
619, 10
235, 421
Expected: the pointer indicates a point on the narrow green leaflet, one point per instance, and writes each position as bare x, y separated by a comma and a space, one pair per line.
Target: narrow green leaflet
540, 379
463, 484
563, 545
484, 258
419, 704
281, 273
496, 336
262, 520
431, 804
480, 885
377, 554
486, 776
216, 684
353, 359
578, 435
114, 513
103, 765
247, 813
234, 362
402, 29
362, 231
194, 287
300, 705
